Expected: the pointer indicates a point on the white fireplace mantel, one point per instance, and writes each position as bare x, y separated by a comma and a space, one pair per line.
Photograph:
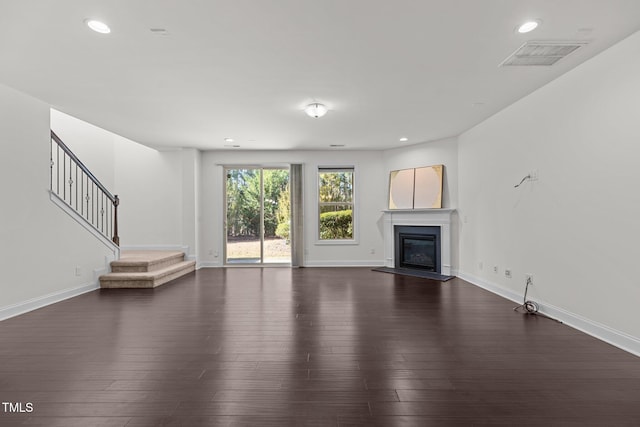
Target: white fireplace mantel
419, 217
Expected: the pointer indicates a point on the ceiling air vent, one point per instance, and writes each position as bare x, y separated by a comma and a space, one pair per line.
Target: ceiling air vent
546, 53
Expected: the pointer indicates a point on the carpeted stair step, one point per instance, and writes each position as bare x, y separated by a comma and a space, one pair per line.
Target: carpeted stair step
147, 279
144, 261
146, 269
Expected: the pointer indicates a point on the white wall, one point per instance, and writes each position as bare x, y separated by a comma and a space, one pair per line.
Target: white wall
174, 198
575, 229
442, 152
93, 146
149, 184
157, 189
370, 196
41, 245
191, 160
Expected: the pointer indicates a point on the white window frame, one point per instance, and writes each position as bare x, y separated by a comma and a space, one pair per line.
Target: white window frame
354, 202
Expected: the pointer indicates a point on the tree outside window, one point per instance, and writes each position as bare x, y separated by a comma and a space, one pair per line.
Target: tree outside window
335, 203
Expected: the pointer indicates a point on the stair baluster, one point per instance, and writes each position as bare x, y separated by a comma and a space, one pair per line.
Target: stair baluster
88, 186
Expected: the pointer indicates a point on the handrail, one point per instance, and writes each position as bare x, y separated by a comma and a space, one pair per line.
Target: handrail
86, 188
82, 166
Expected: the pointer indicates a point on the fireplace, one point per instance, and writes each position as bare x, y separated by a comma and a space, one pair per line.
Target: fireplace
417, 247
439, 219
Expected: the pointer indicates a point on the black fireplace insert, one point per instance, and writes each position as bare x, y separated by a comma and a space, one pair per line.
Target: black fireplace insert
417, 247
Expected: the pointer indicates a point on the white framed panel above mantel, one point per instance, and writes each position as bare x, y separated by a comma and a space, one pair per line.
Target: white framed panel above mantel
419, 217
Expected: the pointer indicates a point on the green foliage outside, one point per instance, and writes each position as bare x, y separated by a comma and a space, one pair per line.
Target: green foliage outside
276, 199
336, 225
335, 196
283, 214
336, 186
243, 206
243, 201
282, 230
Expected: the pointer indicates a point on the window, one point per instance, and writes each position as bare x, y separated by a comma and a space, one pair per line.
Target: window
335, 203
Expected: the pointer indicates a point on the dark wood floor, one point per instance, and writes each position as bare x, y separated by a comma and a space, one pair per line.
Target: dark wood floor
325, 347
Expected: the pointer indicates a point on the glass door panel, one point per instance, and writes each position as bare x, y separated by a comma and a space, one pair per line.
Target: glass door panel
243, 229
257, 216
277, 216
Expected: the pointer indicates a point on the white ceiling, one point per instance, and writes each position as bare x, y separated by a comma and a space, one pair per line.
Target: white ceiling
245, 69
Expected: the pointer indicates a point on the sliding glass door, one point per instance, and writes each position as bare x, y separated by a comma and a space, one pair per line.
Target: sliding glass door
257, 216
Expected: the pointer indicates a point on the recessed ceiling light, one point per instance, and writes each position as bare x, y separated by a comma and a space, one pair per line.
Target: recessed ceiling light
404, 139
98, 26
228, 140
336, 145
528, 26
232, 146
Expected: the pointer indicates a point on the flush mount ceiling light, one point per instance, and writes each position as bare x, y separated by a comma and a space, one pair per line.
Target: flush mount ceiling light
228, 140
404, 139
528, 26
316, 110
97, 26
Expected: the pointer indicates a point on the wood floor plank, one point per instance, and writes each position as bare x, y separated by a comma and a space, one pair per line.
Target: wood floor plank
78, 421
313, 346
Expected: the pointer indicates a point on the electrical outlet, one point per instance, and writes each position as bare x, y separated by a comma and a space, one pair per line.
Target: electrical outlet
480, 265
495, 269
78, 271
533, 175
528, 279
507, 273
372, 251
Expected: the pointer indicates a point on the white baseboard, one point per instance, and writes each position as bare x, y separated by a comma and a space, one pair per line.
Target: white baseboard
39, 302
609, 335
214, 264
491, 287
208, 264
343, 263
